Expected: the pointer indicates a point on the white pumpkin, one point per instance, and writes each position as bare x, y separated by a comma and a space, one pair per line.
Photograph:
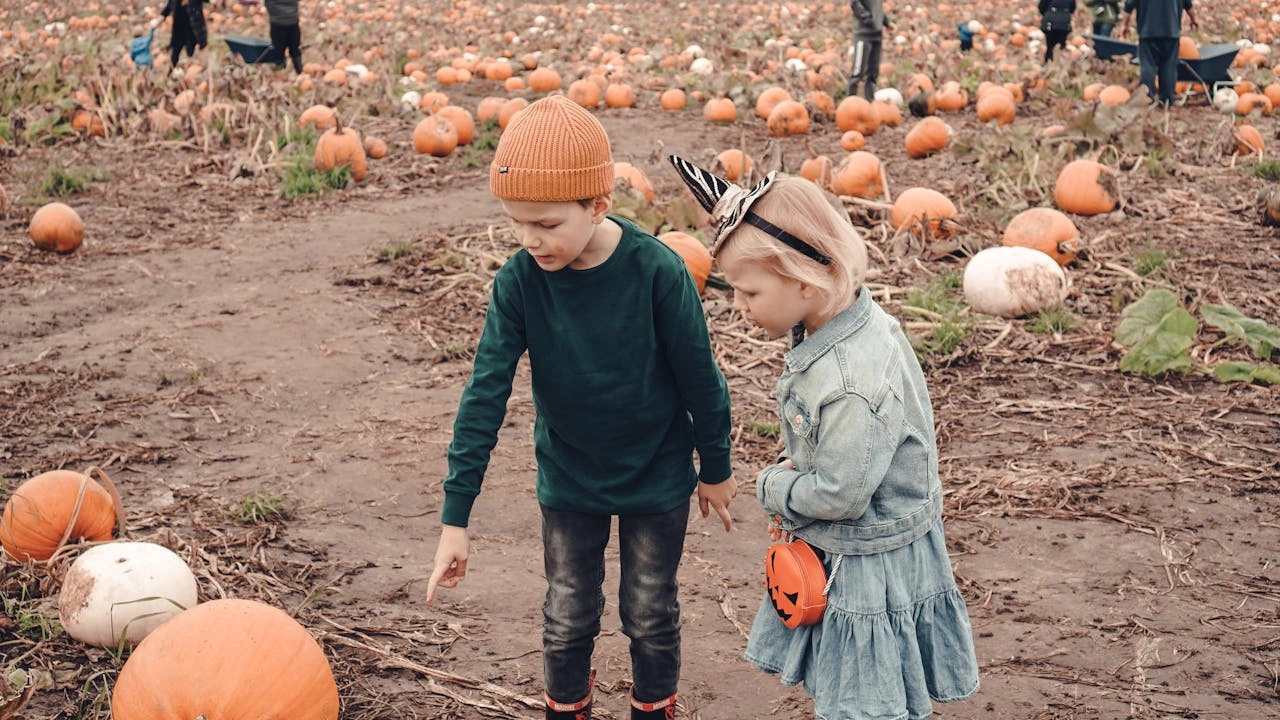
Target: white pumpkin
1013, 281
123, 590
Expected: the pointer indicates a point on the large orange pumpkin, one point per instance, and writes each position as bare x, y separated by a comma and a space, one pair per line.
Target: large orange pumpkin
1046, 230
733, 164
56, 226
634, 177
56, 507
1086, 187
584, 92
788, 118
720, 110
462, 121
227, 658
697, 258
855, 113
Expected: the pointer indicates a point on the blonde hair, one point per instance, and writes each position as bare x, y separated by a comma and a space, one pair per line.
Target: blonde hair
798, 206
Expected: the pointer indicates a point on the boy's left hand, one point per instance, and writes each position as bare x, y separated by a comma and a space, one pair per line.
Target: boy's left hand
718, 497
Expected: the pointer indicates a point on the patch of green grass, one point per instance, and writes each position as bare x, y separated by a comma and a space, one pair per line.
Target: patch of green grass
939, 303
302, 178
61, 182
258, 508
486, 139
1155, 164
764, 428
396, 250
304, 139
1052, 320
26, 617
1149, 261
456, 350
1267, 170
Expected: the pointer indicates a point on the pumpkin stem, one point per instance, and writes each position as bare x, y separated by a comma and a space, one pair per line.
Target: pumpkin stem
75, 515
337, 123
115, 497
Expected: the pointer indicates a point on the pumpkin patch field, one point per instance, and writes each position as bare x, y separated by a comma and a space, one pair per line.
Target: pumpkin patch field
238, 307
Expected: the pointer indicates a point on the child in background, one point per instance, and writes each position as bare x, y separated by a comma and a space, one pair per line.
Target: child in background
859, 477
869, 23
625, 387
286, 35
1105, 15
189, 28
967, 31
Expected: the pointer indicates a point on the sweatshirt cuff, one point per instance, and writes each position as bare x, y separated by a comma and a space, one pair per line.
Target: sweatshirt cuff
714, 469
457, 509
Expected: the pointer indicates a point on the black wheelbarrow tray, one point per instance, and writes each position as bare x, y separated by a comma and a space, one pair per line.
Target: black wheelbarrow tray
1212, 69
254, 50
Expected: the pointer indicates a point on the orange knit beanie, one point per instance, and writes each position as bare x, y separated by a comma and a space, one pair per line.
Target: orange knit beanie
552, 151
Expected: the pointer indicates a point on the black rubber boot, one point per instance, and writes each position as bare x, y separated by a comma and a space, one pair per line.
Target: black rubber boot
580, 710
664, 709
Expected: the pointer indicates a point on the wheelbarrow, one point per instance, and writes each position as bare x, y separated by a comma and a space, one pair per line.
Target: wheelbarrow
254, 50
140, 50
1212, 69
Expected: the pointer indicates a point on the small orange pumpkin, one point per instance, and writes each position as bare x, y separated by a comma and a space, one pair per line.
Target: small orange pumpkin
720, 110
544, 79
224, 658
1046, 230
635, 177
375, 147
619, 95
817, 169
57, 227
788, 118
795, 579
1248, 140
509, 109
1086, 187
673, 99
855, 113
769, 98
584, 92
56, 507
697, 258
462, 121
733, 164
435, 135
928, 137
997, 104
923, 204
858, 175
321, 117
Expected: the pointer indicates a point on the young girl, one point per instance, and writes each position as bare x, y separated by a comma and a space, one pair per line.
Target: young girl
859, 478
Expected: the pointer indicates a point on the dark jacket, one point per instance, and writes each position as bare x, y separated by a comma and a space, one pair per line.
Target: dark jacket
1158, 18
868, 17
1055, 15
189, 30
282, 12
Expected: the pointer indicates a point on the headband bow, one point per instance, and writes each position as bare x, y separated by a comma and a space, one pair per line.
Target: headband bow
730, 206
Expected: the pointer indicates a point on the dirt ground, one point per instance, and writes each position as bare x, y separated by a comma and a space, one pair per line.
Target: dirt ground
1115, 536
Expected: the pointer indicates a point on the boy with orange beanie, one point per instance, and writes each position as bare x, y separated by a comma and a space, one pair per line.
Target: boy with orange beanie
625, 387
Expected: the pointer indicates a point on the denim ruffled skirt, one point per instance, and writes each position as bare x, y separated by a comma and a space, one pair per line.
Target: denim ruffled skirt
895, 635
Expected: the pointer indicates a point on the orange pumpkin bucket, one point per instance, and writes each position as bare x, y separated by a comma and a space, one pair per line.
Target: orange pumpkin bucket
796, 580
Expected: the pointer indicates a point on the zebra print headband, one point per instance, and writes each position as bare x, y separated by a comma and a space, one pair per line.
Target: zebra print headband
730, 206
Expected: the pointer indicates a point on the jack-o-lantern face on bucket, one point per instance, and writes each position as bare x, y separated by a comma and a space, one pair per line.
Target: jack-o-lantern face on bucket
795, 579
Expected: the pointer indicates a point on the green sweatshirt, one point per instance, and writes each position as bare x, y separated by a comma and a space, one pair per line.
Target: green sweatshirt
624, 384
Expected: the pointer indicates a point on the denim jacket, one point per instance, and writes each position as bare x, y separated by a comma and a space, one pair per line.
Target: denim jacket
858, 427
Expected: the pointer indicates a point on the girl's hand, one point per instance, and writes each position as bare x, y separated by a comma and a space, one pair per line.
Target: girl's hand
451, 560
776, 533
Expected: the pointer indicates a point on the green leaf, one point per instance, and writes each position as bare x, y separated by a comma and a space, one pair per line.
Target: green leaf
1160, 332
1247, 373
1262, 338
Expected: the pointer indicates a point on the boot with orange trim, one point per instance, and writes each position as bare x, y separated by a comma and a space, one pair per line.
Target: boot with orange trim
664, 709
580, 710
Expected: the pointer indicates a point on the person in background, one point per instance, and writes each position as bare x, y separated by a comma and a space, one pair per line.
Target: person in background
1159, 29
285, 32
869, 23
189, 29
1055, 23
967, 30
1105, 15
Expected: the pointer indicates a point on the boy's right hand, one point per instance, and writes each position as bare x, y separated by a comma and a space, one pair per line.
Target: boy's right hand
451, 559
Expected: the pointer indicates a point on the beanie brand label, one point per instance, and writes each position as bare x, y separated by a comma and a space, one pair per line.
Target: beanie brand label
502, 168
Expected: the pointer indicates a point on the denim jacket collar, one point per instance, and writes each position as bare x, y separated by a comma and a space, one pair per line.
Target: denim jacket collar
844, 324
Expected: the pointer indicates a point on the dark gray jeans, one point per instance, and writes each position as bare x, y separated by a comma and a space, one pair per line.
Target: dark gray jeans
649, 548
1158, 64
866, 66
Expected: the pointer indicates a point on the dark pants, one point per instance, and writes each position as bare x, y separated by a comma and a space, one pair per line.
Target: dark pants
1158, 66
649, 548
288, 37
866, 65
1054, 39
1103, 28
